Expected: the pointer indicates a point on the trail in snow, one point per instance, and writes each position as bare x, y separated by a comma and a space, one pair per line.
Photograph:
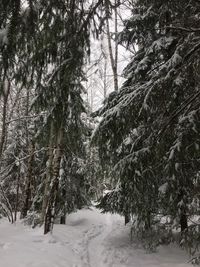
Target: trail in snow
93, 248
89, 239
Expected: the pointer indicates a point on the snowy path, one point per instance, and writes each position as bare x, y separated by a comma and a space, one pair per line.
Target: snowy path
89, 239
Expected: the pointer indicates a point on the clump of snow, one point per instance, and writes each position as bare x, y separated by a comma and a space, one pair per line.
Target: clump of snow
163, 188
3, 36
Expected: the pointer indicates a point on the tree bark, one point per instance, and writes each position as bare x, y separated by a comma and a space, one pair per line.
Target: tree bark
105, 79
64, 211
63, 219
148, 221
17, 195
48, 177
127, 218
183, 222
28, 183
6, 91
50, 211
113, 55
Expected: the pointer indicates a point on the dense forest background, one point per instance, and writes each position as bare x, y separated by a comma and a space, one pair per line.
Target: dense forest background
59, 150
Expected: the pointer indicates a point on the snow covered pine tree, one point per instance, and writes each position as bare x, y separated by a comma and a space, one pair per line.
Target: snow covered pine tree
149, 133
44, 46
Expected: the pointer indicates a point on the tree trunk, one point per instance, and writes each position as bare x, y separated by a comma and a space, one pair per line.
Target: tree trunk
183, 222
63, 219
183, 216
17, 195
116, 49
148, 221
105, 79
113, 56
127, 218
64, 211
50, 211
48, 174
6, 91
28, 183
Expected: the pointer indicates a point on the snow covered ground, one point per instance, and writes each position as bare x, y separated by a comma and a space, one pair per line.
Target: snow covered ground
90, 239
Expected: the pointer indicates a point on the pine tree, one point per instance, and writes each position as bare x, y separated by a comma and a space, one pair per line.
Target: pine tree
44, 47
149, 133
60, 54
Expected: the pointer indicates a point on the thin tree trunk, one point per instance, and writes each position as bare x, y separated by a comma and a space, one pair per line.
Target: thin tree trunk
127, 218
113, 55
183, 222
63, 219
116, 49
17, 195
148, 221
50, 211
6, 92
183, 216
105, 79
48, 177
28, 183
64, 212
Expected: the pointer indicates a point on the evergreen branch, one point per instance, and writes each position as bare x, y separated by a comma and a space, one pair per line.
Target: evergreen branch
193, 50
195, 223
23, 118
174, 115
188, 101
63, 64
28, 156
183, 29
194, 258
89, 16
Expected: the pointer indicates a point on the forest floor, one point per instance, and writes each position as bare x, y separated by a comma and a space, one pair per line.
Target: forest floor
89, 239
